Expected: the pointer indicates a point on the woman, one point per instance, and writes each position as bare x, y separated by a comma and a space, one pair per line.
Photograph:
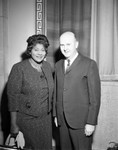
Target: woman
30, 89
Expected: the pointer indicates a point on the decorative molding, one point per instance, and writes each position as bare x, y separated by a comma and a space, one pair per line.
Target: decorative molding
112, 78
40, 19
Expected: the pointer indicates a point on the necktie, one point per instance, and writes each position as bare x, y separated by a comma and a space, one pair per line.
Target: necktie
68, 65
68, 62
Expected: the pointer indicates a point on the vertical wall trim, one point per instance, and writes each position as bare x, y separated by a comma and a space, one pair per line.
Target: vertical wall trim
41, 19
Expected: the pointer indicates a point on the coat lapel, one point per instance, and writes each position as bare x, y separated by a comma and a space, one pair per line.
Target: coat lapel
47, 74
49, 78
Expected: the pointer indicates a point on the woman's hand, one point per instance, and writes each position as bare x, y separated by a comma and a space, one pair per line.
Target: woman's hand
20, 140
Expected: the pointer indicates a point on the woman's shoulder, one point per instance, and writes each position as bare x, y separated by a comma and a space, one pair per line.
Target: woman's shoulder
46, 63
21, 64
47, 66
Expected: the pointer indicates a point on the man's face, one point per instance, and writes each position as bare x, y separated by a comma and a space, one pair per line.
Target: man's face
68, 45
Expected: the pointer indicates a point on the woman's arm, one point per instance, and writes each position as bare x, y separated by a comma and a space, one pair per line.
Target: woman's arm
14, 128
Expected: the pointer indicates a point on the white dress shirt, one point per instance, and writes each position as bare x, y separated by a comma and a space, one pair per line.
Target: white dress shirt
71, 61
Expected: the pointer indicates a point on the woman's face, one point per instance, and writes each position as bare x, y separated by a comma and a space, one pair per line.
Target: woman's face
38, 53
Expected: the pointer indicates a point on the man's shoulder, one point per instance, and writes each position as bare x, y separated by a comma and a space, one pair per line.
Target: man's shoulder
86, 58
59, 62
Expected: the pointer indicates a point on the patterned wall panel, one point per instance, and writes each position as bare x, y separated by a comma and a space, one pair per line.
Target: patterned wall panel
40, 17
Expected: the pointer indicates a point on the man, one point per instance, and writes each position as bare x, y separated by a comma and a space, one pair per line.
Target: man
76, 96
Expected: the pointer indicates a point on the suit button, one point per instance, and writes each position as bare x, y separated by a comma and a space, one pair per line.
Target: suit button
28, 105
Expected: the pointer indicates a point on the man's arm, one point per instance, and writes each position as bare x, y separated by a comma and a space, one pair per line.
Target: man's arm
94, 89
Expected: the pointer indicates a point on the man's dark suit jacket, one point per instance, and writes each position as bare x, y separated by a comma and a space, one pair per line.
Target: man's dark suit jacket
77, 92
